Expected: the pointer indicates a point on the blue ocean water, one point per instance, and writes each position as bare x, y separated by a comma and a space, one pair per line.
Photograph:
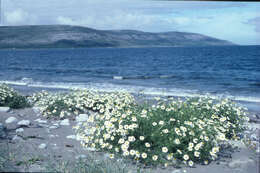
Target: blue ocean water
182, 71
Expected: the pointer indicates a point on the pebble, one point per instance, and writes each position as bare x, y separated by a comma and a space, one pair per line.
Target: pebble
4, 109
17, 138
24, 123
53, 127
82, 118
2, 131
11, 120
42, 146
71, 137
53, 136
1, 126
253, 137
36, 109
41, 121
177, 171
82, 156
20, 130
65, 122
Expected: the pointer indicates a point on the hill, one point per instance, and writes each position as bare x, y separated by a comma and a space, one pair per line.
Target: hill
66, 36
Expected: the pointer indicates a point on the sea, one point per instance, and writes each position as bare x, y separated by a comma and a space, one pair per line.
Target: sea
225, 71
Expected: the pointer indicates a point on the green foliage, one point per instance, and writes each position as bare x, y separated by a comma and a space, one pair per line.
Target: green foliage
188, 131
11, 98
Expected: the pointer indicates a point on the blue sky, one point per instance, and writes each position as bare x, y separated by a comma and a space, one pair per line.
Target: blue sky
238, 22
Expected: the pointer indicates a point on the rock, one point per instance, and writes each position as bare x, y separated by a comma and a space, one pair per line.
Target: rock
41, 121
4, 109
2, 131
42, 146
82, 156
240, 163
254, 120
253, 137
71, 137
17, 138
53, 127
82, 118
53, 136
36, 109
20, 130
11, 120
238, 144
24, 123
65, 122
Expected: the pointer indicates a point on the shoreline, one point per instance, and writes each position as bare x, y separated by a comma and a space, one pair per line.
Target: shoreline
253, 107
55, 141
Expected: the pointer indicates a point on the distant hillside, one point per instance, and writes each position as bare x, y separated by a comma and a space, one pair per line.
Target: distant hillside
65, 36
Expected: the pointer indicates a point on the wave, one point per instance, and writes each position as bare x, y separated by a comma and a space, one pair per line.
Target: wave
144, 77
109, 87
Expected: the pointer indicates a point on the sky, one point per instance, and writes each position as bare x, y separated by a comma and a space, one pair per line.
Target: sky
238, 22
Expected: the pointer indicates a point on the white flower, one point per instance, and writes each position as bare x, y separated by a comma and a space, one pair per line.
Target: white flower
164, 149
190, 163
161, 122
132, 152
155, 157
141, 138
165, 131
147, 145
154, 123
186, 157
177, 141
196, 154
144, 155
111, 156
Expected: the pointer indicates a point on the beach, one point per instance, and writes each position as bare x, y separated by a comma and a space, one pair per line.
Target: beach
41, 144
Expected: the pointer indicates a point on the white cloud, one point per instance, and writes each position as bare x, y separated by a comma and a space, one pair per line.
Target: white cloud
217, 19
19, 17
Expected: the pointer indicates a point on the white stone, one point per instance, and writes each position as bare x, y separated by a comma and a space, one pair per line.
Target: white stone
41, 121
253, 137
53, 127
65, 122
53, 136
20, 130
82, 118
71, 137
1, 126
42, 146
4, 109
24, 123
37, 109
240, 163
82, 156
10, 120
177, 171
17, 138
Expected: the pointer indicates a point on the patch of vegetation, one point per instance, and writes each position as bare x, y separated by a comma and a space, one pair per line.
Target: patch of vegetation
90, 165
167, 133
11, 98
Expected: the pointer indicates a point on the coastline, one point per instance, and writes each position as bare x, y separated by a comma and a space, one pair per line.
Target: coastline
61, 144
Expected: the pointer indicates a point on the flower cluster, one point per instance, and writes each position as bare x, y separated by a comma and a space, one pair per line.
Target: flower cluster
5, 94
78, 101
188, 130
10, 97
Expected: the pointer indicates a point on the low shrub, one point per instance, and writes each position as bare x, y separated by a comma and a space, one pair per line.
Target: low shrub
77, 101
189, 131
11, 98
